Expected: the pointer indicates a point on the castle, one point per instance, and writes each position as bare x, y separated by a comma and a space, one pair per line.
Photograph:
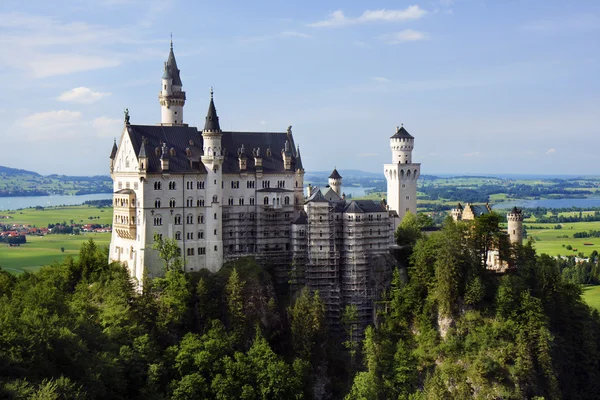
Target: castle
223, 195
514, 229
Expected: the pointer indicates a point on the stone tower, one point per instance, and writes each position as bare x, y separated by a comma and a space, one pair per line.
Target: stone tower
402, 174
171, 96
457, 212
335, 182
515, 225
212, 159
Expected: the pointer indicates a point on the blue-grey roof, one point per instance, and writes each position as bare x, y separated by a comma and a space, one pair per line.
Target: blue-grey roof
317, 197
331, 195
335, 174
302, 219
479, 210
364, 206
173, 71
113, 152
188, 144
402, 133
212, 119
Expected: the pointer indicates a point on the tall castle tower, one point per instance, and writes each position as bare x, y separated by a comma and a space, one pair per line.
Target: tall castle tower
171, 96
515, 225
335, 182
402, 174
212, 158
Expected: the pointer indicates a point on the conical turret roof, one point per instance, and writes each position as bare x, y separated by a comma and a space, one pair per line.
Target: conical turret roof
212, 119
402, 133
113, 152
171, 70
335, 174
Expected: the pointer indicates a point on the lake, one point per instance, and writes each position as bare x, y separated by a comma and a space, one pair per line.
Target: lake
550, 203
14, 203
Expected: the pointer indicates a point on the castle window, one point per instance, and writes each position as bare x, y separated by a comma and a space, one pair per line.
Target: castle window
407, 197
216, 216
189, 219
189, 202
172, 185
251, 201
266, 201
157, 186
120, 185
215, 199
190, 235
158, 220
190, 251
241, 201
201, 250
177, 235
215, 232
216, 248
200, 185
200, 234
320, 233
201, 218
156, 203
286, 200
172, 203
178, 220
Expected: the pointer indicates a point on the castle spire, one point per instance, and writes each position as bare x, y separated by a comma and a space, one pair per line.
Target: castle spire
212, 119
171, 96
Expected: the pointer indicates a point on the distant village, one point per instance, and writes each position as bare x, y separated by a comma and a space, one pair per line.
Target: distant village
15, 234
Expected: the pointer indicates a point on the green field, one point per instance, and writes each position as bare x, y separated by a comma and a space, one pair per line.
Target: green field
51, 215
591, 295
44, 250
548, 240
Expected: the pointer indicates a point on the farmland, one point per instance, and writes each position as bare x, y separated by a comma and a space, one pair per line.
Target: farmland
44, 250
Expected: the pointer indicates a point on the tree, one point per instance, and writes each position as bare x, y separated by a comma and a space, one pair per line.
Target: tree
62, 249
169, 252
350, 324
235, 301
307, 323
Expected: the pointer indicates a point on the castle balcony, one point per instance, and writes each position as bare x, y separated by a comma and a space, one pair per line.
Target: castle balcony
124, 210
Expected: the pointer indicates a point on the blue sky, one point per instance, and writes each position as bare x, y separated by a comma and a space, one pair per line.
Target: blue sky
483, 86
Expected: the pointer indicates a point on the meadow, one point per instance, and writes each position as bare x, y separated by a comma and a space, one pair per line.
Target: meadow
44, 250
551, 241
591, 295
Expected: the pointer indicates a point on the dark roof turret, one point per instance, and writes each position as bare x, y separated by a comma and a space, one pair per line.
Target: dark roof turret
402, 133
212, 119
335, 174
171, 68
113, 152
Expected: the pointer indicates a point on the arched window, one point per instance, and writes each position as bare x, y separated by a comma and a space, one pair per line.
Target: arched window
178, 235
157, 203
201, 218
286, 200
200, 234
215, 199
178, 220
266, 201
172, 203
189, 219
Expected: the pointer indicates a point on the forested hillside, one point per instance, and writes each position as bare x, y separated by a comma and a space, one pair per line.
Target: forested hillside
448, 329
20, 182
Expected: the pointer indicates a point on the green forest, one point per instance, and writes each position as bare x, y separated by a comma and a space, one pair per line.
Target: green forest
447, 329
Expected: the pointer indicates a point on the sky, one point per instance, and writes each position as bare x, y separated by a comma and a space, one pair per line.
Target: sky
484, 86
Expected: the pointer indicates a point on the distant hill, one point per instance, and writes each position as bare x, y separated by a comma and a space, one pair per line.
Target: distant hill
16, 171
20, 182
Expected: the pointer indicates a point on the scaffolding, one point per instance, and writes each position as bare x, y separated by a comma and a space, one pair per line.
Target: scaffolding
322, 271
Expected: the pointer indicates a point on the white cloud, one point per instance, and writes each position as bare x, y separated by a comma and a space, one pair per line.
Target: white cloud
47, 46
407, 35
551, 151
295, 34
338, 19
82, 95
107, 126
379, 79
49, 125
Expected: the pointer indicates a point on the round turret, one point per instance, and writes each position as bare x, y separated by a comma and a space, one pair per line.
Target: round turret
335, 182
515, 225
402, 144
